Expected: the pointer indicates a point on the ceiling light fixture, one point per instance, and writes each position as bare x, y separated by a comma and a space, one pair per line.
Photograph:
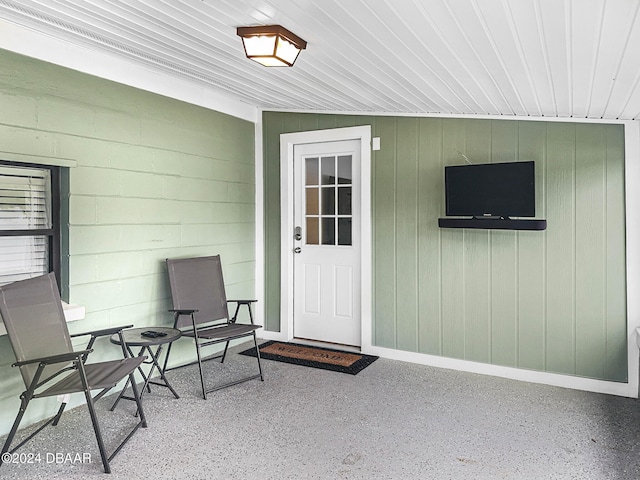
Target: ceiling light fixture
271, 45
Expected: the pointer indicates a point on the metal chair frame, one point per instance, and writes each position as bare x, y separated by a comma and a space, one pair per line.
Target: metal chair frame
214, 331
79, 378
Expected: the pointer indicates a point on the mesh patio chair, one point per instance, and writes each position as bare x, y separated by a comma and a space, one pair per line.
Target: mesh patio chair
34, 319
200, 310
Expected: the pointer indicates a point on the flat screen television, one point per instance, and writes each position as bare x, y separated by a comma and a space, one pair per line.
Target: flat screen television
491, 190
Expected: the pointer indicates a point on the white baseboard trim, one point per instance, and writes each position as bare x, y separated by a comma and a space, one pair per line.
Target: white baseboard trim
532, 376
277, 336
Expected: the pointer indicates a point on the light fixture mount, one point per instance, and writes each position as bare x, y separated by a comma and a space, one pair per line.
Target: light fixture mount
271, 45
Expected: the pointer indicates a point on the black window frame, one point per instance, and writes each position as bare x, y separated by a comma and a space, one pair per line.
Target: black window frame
52, 234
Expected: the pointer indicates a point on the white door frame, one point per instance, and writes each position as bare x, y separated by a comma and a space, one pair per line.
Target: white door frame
287, 143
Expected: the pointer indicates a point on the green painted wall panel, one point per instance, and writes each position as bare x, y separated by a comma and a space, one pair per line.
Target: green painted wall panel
308, 122
560, 254
476, 288
590, 239
430, 206
616, 300
23, 141
531, 248
503, 247
406, 232
18, 110
78, 120
504, 321
92, 152
452, 253
327, 121
477, 260
384, 243
452, 296
550, 301
291, 123
271, 179
155, 178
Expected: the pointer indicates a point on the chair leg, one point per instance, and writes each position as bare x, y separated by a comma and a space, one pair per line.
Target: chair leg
255, 342
23, 407
204, 391
138, 398
224, 355
94, 417
14, 428
96, 429
139, 411
166, 357
59, 414
233, 320
120, 395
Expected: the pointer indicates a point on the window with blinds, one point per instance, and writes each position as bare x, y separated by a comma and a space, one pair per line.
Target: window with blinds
29, 238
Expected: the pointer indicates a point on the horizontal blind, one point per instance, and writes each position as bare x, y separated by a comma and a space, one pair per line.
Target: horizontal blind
25, 195
25, 204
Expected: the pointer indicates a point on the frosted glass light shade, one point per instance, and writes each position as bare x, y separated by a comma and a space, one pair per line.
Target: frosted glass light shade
271, 45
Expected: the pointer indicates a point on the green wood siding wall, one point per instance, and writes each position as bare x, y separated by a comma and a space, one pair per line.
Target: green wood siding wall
551, 301
155, 178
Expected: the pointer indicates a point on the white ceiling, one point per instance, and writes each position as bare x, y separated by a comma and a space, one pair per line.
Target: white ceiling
551, 58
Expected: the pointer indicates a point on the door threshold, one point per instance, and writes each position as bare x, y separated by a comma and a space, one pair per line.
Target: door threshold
332, 346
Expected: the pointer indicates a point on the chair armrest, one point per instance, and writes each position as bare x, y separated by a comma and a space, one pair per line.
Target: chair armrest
184, 311
103, 332
239, 303
63, 357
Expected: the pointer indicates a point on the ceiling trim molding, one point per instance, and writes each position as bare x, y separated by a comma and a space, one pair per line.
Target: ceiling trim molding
457, 115
24, 41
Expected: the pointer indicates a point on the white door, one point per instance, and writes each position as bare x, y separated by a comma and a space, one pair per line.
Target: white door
326, 303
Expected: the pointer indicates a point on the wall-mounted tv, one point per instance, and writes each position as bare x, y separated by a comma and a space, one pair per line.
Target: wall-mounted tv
491, 189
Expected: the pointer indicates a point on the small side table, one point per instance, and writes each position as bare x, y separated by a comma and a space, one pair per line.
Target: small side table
133, 338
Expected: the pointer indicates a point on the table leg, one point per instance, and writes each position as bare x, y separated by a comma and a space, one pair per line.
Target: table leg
156, 364
115, 404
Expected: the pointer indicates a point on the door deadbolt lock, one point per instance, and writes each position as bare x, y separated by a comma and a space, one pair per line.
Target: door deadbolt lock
297, 233
297, 250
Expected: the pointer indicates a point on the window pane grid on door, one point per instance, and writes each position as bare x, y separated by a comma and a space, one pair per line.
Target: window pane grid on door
328, 188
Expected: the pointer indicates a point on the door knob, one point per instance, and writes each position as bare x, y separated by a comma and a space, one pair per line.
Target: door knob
297, 250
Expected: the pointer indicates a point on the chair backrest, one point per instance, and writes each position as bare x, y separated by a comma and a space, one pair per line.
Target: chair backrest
32, 313
197, 283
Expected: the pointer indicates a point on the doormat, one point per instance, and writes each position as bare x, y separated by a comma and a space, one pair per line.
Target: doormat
315, 357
